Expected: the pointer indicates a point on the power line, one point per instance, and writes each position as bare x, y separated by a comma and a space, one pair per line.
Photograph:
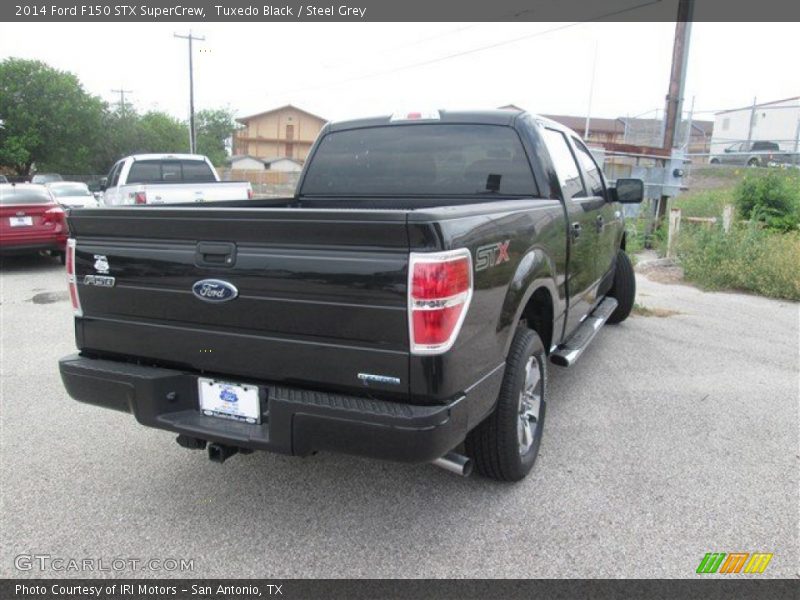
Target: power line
499, 44
191, 38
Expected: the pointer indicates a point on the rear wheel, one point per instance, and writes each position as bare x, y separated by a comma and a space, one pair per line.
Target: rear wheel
506, 444
624, 288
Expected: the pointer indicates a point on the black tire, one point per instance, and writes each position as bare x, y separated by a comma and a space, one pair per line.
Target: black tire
714, 161
623, 289
495, 445
753, 162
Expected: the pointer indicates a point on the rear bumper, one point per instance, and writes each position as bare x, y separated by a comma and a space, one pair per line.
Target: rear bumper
294, 421
27, 246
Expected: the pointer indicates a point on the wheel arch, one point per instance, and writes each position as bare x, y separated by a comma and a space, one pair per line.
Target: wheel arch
532, 296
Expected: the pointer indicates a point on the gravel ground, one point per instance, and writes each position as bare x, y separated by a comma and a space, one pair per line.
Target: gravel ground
674, 436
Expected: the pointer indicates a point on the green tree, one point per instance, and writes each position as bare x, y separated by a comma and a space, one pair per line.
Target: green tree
48, 119
162, 133
213, 128
127, 132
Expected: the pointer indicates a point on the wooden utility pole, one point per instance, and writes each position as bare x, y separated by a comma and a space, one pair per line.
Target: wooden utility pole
122, 98
191, 38
677, 79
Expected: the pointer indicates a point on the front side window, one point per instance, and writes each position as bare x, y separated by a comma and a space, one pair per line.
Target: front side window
594, 177
421, 160
113, 176
569, 175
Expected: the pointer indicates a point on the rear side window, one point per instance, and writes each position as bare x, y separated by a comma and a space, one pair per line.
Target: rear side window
765, 146
569, 175
594, 178
18, 195
170, 171
421, 160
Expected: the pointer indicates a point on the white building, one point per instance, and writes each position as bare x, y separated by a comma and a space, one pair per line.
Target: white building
777, 121
288, 165
245, 162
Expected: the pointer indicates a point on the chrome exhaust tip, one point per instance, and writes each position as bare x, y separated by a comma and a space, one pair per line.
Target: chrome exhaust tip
455, 463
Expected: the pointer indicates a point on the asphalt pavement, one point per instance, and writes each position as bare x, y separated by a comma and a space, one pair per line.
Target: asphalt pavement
674, 436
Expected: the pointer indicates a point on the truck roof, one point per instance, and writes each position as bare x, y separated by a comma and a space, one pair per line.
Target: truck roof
173, 156
488, 117
476, 117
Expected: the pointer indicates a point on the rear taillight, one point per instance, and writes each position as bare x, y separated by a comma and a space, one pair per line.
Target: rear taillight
139, 198
249, 193
439, 293
54, 216
72, 283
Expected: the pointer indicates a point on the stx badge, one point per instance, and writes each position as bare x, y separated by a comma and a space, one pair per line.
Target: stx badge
491, 255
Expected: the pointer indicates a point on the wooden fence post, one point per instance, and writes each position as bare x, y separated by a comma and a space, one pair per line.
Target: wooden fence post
674, 228
727, 218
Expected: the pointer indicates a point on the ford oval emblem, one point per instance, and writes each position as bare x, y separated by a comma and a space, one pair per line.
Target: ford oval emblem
214, 290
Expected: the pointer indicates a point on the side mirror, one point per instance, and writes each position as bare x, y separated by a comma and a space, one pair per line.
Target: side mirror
103, 184
628, 191
728, 150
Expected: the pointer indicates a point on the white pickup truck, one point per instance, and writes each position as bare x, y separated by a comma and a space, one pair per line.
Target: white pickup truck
168, 179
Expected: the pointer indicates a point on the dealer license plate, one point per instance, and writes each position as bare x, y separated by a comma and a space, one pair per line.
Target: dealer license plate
20, 221
234, 401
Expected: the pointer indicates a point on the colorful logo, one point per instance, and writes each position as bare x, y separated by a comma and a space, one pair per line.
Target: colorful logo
228, 395
734, 562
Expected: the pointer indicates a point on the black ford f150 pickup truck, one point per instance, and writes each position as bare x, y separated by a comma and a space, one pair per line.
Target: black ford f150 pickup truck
406, 300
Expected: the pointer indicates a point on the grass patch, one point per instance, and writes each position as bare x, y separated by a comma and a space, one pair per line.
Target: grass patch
704, 203
749, 258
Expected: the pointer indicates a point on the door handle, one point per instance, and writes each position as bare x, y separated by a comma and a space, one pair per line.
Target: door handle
575, 230
215, 254
600, 222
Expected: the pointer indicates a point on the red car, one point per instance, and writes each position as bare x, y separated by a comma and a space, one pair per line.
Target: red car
31, 220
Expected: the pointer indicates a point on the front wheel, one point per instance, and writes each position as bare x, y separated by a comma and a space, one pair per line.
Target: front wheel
506, 444
624, 288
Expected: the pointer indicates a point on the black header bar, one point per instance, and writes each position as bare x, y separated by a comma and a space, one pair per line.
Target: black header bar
201, 11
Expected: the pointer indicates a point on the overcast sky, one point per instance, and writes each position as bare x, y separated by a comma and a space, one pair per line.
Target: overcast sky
343, 70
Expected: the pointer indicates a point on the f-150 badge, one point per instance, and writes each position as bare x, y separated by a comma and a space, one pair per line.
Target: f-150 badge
491, 255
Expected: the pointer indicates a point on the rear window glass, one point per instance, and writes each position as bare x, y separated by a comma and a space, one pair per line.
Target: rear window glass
170, 171
421, 160
19, 195
60, 191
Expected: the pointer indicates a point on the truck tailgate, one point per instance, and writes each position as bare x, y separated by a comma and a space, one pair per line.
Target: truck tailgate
321, 293
180, 193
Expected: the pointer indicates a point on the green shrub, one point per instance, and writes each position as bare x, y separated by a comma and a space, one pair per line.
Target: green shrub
771, 196
750, 258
